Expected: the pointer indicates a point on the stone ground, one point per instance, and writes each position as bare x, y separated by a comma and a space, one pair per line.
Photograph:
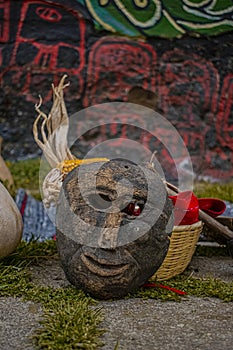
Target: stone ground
193, 323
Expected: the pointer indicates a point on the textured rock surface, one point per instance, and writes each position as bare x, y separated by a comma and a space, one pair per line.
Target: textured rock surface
151, 324
105, 248
18, 321
191, 76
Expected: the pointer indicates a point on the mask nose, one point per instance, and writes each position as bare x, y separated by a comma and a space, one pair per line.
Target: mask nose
109, 233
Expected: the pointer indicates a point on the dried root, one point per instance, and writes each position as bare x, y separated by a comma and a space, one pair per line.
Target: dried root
54, 128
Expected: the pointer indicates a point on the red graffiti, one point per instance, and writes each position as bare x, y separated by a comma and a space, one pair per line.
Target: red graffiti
113, 66
111, 122
188, 83
191, 93
224, 121
45, 56
48, 14
4, 21
188, 86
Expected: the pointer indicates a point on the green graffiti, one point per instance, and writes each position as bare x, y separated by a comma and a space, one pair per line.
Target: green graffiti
164, 18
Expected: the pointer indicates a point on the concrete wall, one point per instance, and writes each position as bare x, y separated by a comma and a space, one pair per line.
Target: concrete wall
179, 58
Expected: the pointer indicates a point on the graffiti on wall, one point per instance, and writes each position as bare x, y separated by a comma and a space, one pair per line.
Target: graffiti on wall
192, 92
41, 42
164, 18
188, 89
125, 62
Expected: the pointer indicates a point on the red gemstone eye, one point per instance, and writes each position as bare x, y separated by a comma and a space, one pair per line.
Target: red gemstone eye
133, 209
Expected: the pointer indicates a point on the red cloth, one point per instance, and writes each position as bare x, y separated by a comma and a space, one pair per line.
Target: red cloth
212, 206
186, 208
187, 205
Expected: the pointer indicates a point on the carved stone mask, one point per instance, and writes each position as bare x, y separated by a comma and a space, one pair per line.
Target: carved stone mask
113, 221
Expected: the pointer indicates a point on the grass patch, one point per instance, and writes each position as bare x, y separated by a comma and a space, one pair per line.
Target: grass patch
14, 280
205, 287
222, 191
26, 175
29, 253
68, 321
199, 287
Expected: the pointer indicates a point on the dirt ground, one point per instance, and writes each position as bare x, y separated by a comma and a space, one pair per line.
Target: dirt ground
193, 323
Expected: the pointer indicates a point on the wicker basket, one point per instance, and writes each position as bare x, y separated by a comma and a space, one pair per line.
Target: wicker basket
181, 249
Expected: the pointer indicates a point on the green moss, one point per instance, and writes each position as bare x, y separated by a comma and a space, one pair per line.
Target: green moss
68, 321
14, 269
14, 280
32, 252
156, 293
199, 287
204, 287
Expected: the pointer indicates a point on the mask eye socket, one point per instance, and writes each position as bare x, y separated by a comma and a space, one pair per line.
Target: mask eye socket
99, 201
133, 209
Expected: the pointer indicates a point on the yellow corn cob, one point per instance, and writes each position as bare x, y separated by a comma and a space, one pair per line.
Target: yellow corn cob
67, 165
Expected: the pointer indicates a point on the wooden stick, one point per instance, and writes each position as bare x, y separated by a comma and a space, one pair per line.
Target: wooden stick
217, 229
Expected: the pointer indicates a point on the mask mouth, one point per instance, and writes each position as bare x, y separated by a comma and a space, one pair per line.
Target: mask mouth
103, 267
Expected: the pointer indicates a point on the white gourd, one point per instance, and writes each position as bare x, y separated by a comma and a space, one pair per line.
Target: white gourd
11, 223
